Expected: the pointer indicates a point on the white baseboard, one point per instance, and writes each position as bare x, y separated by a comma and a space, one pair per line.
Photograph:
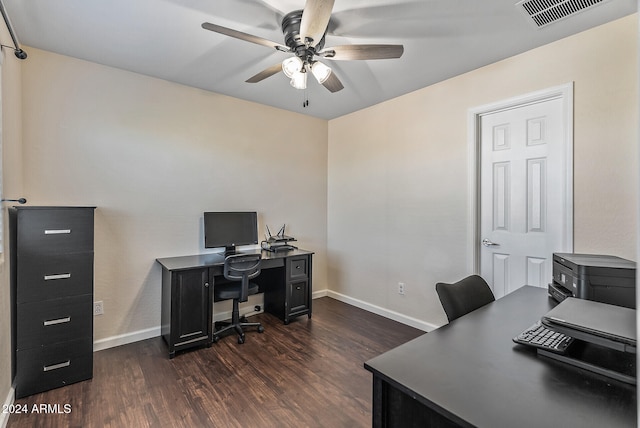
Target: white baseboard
396, 316
321, 293
248, 309
123, 339
4, 417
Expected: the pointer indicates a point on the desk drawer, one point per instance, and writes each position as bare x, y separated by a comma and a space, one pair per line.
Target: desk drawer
298, 267
55, 230
298, 297
51, 321
43, 368
54, 276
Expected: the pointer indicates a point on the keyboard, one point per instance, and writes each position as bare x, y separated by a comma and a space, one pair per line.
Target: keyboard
541, 337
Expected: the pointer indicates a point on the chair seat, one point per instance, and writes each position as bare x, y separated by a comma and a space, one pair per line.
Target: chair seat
232, 291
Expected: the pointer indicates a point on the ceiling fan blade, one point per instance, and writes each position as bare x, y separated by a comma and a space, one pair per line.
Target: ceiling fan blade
267, 72
356, 52
332, 83
243, 36
315, 18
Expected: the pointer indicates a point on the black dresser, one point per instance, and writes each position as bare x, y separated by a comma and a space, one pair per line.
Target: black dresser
51, 296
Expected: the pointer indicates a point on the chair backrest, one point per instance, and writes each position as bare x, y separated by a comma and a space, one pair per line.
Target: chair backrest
242, 267
464, 296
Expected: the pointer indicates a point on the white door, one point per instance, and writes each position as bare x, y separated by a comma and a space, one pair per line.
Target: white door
524, 193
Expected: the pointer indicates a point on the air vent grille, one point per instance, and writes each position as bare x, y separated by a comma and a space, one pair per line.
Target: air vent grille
545, 12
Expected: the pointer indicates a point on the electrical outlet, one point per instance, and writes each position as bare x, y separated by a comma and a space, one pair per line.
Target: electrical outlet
98, 308
401, 288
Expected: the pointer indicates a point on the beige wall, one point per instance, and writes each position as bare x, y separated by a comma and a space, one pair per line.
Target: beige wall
153, 156
398, 171
12, 188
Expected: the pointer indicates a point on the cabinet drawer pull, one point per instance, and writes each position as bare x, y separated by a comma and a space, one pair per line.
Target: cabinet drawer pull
58, 321
56, 366
56, 231
57, 276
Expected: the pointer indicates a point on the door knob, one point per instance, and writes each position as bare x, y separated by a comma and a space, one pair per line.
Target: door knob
488, 243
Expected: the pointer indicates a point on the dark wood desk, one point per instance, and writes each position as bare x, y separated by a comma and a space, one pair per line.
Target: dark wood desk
187, 292
469, 373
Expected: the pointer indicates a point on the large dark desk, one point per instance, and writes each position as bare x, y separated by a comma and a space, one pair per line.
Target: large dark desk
469, 373
187, 292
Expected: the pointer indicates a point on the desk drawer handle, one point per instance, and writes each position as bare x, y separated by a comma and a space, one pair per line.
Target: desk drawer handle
57, 276
56, 366
58, 321
56, 231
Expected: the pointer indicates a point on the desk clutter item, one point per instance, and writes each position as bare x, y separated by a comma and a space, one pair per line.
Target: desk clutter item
597, 277
280, 242
51, 296
605, 337
541, 337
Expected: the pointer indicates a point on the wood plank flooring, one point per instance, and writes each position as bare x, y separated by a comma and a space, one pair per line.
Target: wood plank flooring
309, 373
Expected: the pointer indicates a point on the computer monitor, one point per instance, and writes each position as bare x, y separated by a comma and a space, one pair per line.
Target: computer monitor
230, 229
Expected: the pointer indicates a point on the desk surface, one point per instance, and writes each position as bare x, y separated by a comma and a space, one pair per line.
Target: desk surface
217, 259
471, 372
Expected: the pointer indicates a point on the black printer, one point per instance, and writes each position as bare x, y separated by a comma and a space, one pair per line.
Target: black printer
601, 278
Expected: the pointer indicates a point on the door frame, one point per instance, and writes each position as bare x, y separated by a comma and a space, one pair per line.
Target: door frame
564, 92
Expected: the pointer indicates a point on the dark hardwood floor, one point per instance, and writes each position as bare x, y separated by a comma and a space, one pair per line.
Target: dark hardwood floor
309, 373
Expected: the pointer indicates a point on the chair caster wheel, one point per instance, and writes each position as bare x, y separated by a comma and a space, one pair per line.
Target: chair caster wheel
260, 329
240, 340
215, 339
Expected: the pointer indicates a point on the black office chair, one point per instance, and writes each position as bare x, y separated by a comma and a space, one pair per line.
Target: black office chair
239, 268
464, 296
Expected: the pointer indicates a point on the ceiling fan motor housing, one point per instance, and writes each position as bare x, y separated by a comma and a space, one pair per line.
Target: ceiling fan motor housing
291, 30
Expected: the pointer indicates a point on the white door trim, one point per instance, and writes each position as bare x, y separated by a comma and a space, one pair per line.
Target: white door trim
565, 92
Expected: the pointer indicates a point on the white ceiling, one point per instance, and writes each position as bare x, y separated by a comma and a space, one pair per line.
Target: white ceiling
164, 39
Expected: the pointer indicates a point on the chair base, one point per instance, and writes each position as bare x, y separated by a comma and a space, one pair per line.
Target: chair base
237, 324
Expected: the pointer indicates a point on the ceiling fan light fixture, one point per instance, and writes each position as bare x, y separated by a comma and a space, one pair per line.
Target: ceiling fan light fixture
299, 80
291, 66
320, 71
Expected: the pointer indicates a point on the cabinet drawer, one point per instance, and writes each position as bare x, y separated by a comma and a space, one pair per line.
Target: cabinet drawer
51, 321
59, 230
299, 267
43, 368
54, 276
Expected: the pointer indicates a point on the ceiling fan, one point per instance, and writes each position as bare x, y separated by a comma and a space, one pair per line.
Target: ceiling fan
304, 36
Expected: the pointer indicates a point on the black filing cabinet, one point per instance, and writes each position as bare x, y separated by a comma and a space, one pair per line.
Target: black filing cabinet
298, 296
294, 299
51, 296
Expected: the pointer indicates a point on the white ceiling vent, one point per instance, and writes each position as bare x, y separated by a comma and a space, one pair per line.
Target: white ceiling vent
545, 12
